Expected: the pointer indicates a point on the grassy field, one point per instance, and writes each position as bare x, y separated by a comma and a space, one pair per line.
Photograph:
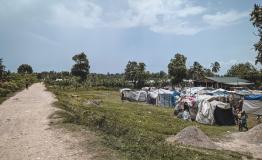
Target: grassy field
136, 130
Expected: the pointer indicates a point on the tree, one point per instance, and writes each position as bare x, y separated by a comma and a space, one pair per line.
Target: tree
245, 71
2, 69
208, 72
135, 72
256, 18
215, 67
162, 74
81, 68
177, 68
25, 68
197, 71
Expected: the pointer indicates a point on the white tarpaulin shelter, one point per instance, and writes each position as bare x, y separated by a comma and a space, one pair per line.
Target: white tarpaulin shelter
193, 91
209, 112
163, 97
140, 96
253, 104
205, 114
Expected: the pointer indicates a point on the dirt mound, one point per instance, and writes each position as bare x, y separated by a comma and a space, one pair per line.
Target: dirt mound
194, 137
254, 135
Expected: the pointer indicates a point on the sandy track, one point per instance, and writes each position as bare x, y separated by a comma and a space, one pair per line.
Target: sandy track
25, 133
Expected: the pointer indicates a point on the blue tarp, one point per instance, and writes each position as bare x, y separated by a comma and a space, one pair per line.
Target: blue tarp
254, 97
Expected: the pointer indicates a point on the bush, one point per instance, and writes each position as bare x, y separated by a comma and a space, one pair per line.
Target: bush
4, 92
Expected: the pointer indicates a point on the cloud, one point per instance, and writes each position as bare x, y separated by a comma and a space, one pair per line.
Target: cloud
161, 16
220, 19
76, 14
179, 17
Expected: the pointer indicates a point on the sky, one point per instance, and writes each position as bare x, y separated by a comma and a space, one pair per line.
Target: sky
47, 34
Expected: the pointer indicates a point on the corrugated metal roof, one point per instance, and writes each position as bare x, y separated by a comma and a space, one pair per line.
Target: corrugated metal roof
230, 80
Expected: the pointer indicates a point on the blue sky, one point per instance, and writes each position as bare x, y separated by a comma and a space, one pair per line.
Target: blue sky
46, 34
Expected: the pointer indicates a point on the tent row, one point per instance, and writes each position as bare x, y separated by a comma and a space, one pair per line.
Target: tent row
206, 106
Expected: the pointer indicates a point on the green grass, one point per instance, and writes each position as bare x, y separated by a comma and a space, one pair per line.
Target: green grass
137, 130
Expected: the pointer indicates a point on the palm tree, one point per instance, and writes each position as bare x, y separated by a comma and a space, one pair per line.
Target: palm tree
197, 71
215, 67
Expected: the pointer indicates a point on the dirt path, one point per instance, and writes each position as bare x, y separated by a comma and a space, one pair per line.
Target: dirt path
25, 133
236, 142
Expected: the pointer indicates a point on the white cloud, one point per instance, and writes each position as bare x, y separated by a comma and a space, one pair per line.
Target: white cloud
224, 19
162, 16
77, 14
180, 17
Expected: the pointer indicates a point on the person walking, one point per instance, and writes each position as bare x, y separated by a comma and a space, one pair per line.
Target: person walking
26, 84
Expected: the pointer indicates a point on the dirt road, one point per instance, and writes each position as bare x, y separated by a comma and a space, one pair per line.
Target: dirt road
25, 133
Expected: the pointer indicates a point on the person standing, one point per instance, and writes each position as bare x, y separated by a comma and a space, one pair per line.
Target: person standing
122, 96
243, 121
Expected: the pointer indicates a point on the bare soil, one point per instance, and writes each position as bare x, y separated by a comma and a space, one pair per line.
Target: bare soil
244, 142
26, 133
193, 136
248, 143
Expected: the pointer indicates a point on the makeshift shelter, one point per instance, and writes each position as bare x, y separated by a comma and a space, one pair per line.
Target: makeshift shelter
223, 114
131, 95
163, 97
253, 104
140, 96
192, 91
215, 112
205, 114
125, 92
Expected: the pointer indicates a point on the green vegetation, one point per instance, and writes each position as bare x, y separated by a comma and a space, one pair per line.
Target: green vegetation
81, 68
256, 19
24, 69
246, 71
135, 72
135, 129
12, 82
177, 68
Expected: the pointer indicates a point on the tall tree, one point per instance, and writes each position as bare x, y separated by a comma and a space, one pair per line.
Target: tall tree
25, 68
246, 71
81, 68
177, 68
215, 67
135, 72
2, 68
256, 19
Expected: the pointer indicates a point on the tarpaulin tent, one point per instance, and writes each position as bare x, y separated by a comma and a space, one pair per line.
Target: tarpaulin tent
192, 91
163, 97
223, 113
215, 112
131, 95
253, 104
205, 114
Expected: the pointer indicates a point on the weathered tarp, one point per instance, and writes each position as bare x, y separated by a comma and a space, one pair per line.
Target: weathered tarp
193, 91
224, 116
140, 96
254, 97
163, 97
221, 105
214, 112
205, 114
253, 106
